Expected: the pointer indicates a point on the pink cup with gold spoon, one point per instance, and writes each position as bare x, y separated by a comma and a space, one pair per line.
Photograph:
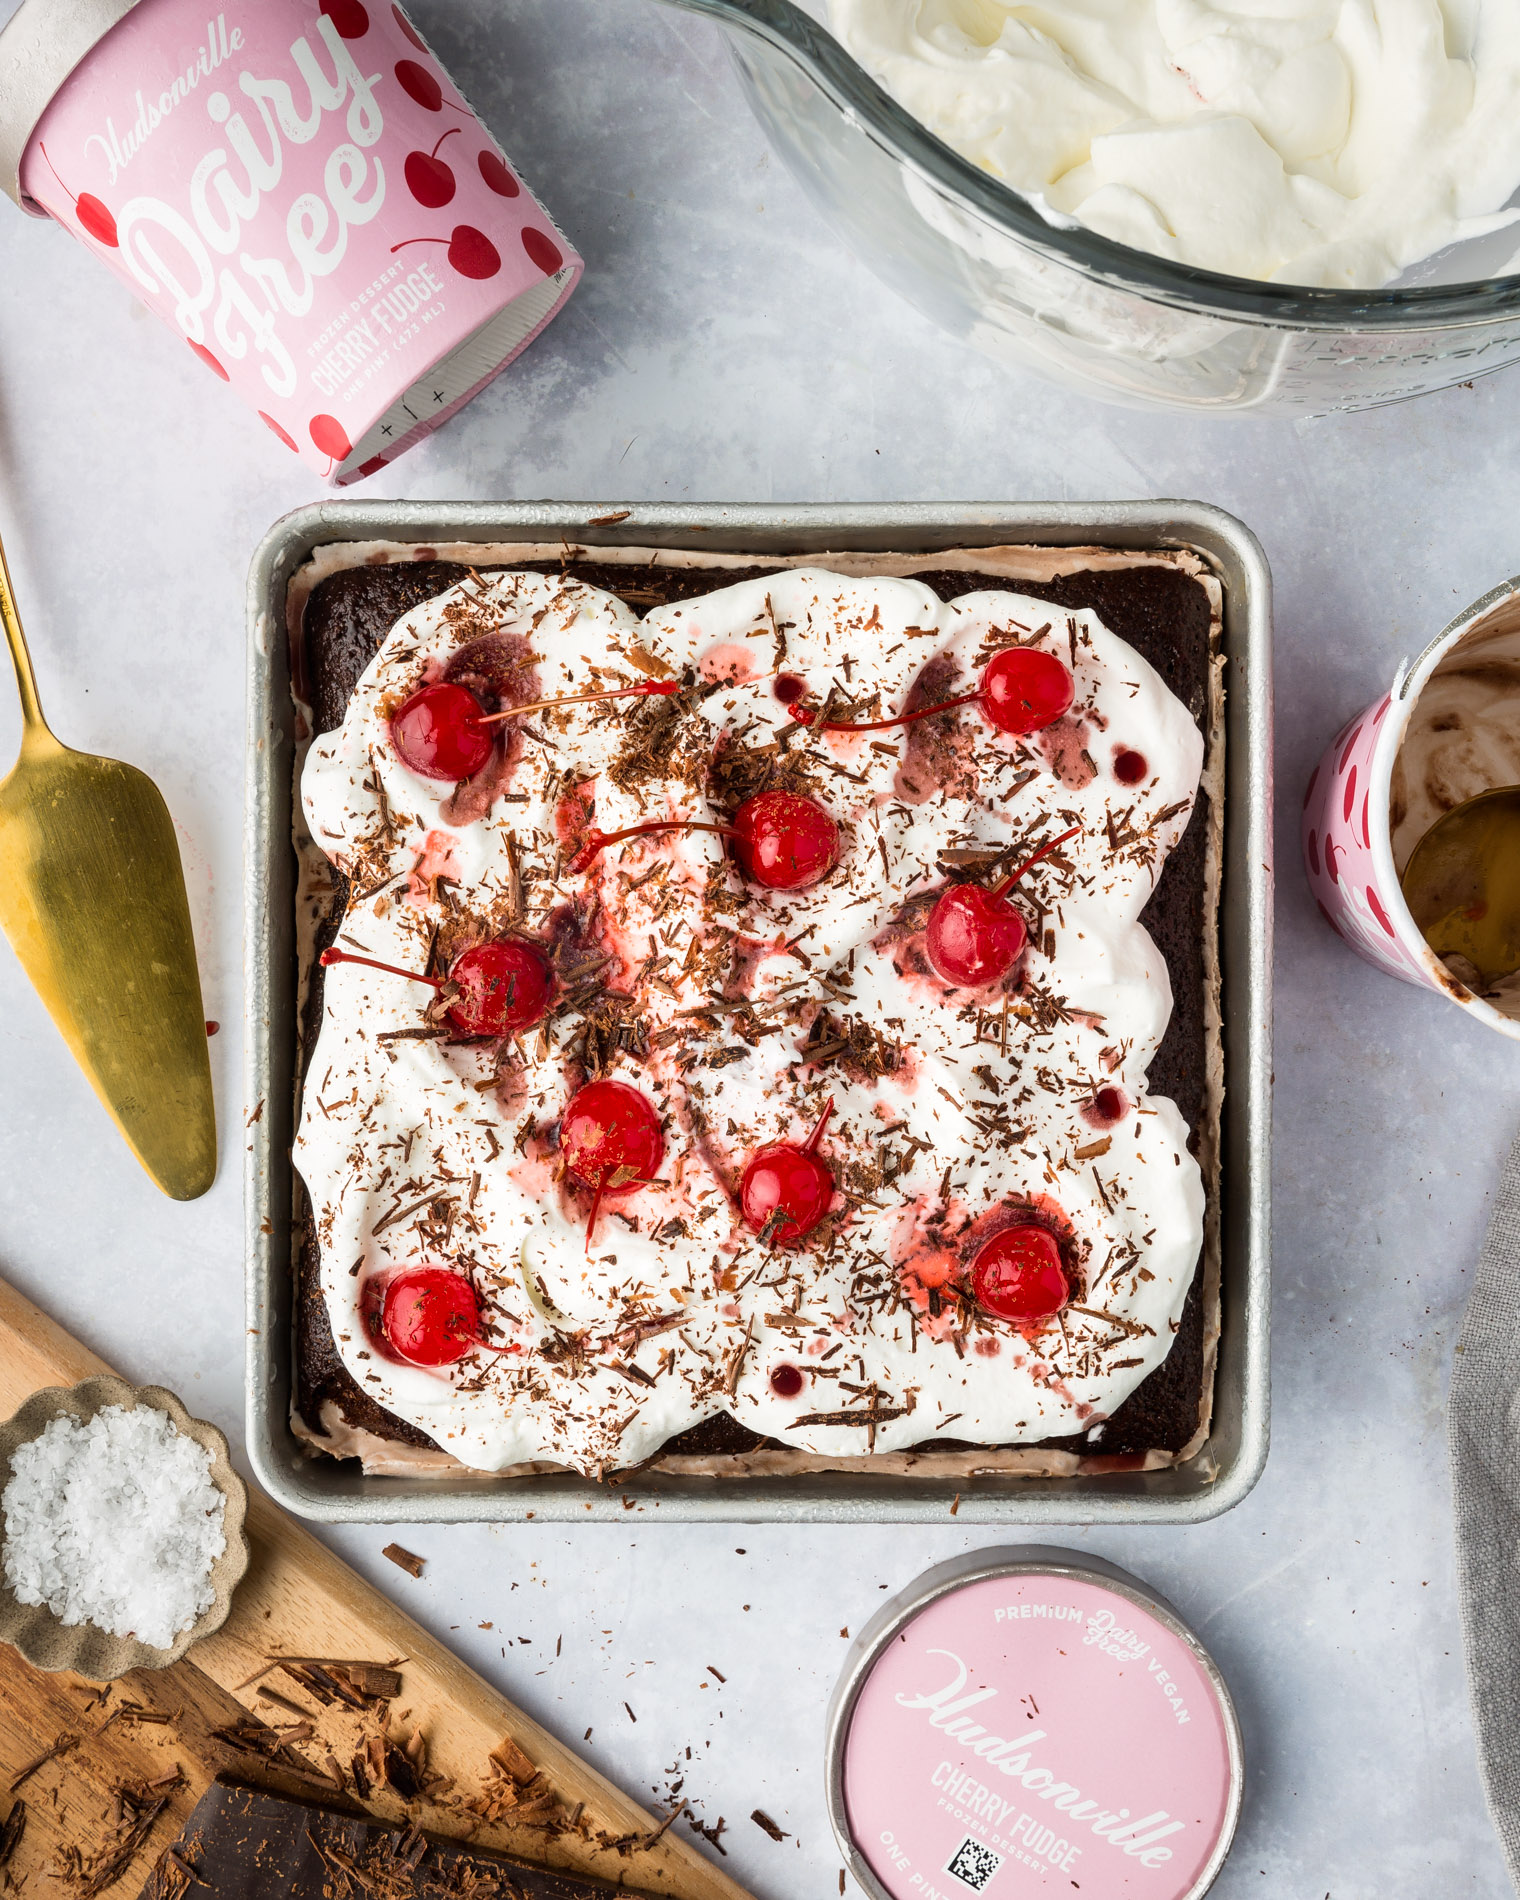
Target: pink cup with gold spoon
1447, 731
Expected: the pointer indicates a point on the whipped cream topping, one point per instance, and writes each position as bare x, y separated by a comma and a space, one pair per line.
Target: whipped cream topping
740, 1012
1325, 142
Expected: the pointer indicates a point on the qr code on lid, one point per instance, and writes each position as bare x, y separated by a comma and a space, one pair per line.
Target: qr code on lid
974, 1865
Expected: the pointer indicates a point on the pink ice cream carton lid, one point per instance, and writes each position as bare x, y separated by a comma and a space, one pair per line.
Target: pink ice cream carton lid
1032, 1722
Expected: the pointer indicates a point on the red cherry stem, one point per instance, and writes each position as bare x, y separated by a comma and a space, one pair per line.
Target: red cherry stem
447, 135
347, 956
598, 841
596, 1207
805, 718
823, 1121
1009, 882
662, 687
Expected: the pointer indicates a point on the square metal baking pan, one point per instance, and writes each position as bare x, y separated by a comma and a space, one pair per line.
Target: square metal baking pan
1236, 1451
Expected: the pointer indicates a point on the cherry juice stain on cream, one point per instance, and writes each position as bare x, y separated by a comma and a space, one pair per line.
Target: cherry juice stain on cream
1031, 1722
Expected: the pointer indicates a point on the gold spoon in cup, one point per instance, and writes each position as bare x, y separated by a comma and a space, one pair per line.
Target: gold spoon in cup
1462, 886
92, 898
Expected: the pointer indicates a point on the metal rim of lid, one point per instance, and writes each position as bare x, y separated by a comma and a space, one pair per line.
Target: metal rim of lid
977, 1567
41, 45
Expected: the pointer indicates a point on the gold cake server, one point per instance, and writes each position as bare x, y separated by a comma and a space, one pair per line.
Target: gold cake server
92, 898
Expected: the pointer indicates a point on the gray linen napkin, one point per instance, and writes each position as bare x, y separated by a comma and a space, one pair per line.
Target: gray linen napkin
1485, 1470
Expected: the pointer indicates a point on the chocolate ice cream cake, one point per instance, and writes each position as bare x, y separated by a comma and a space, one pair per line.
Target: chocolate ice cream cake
759, 1017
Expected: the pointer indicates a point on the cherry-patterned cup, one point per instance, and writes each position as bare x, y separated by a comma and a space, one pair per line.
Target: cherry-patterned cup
1347, 828
302, 194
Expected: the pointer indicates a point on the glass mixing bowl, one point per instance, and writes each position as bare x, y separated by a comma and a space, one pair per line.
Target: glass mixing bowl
1112, 322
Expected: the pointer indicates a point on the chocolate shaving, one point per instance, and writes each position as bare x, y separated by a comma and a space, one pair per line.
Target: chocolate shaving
282, 1702
135, 1714
415, 1207
61, 1746
12, 1830
736, 1359
679, 1809
712, 1835
88, 1876
376, 1682
1131, 1328
252, 1737
513, 1763
762, 1820
400, 1772
877, 1415
408, 1560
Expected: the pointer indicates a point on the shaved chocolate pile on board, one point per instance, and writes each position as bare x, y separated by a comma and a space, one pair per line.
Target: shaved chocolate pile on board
244, 1844
1163, 613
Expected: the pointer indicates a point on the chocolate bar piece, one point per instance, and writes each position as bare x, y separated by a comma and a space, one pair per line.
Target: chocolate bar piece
243, 1844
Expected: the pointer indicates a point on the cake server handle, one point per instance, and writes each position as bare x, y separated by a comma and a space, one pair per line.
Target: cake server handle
33, 723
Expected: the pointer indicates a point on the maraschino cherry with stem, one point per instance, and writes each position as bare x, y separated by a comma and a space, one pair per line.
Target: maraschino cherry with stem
975, 936
1022, 690
787, 1188
784, 841
503, 986
1018, 1275
430, 1316
443, 732
611, 1141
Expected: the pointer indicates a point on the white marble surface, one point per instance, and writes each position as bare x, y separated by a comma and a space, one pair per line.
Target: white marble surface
723, 348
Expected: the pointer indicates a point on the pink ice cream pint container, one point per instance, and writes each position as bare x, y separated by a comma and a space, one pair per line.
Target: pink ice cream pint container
1032, 1722
1446, 730
301, 192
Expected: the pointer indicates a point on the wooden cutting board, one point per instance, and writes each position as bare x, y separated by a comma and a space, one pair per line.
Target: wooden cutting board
536, 1798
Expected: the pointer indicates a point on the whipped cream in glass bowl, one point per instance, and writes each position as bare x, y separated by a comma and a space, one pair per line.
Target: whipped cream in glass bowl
1275, 209
1327, 142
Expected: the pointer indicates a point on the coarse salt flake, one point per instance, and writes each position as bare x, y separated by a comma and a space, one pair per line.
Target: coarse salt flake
114, 1521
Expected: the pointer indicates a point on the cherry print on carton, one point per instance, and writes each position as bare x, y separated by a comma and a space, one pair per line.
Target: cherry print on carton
470, 252
91, 213
428, 177
350, 17
263, 192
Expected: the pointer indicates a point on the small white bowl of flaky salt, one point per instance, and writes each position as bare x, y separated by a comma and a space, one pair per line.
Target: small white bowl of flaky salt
121, 1528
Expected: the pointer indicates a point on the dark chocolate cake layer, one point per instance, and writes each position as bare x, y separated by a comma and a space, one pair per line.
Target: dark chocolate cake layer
1163, 613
